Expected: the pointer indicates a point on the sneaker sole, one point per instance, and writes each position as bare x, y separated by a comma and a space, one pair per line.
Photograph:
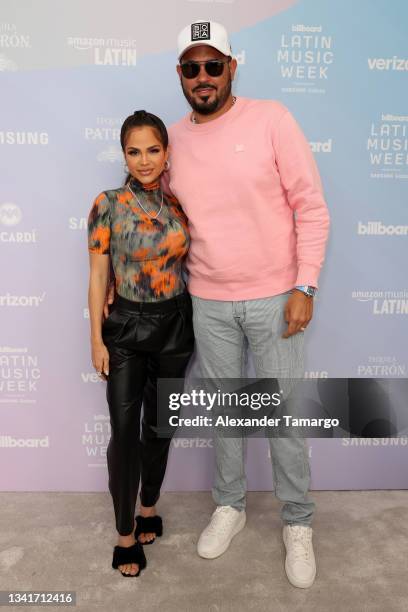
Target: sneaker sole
221, 550
294, 581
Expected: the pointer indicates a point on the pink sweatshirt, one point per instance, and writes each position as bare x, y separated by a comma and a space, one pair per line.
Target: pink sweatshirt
250, 188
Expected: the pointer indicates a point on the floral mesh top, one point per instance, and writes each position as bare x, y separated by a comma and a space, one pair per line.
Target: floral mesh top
146, 254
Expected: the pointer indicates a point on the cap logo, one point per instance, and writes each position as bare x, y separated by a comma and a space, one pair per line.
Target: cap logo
200, 31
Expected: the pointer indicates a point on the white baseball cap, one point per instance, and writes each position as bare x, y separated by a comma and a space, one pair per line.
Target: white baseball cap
204, 33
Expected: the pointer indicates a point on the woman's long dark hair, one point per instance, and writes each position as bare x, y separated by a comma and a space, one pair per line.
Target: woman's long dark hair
141, 118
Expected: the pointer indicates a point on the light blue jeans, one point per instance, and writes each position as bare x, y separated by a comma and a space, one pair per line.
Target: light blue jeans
222, 330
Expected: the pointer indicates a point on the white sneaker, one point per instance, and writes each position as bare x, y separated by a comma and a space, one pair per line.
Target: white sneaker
300, 564
225, 523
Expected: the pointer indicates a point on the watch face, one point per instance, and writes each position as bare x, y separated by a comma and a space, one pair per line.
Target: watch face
310, 291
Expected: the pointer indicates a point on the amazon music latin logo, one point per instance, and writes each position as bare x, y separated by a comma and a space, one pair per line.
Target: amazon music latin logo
384, 302
105, 51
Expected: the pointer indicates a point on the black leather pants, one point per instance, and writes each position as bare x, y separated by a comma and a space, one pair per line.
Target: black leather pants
146, 341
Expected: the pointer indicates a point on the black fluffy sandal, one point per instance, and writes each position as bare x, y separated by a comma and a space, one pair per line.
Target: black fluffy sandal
148, 524
133, 554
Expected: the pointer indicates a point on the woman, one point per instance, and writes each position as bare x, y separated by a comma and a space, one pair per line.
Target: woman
143, 235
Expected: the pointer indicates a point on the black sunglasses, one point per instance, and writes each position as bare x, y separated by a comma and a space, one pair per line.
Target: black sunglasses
213, 68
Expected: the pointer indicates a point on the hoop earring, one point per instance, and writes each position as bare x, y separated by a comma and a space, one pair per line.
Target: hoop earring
166, 165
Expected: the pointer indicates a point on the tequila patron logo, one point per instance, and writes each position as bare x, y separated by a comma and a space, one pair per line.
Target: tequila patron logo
107, 133
305, 56
11, 40
382, 366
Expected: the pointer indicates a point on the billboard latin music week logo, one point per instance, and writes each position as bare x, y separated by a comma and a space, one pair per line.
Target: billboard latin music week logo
95, 439
20, 374
305, 57
387, 147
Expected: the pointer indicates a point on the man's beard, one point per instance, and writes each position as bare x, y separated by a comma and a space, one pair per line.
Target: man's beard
207, 108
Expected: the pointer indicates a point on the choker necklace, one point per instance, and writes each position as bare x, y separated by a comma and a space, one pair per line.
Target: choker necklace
194, 120
141, 205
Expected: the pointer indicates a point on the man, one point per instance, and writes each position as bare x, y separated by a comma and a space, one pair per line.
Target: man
246, 178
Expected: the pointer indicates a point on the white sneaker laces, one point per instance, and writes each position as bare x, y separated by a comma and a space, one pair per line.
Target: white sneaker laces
300, 539
221, 520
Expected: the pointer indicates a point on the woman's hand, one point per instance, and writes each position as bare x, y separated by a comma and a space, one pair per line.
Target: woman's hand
100, 359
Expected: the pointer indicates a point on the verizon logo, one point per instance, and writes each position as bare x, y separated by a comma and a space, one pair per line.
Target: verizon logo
393, 63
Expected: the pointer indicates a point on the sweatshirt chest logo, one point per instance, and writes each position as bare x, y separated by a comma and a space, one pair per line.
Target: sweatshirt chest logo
239, 148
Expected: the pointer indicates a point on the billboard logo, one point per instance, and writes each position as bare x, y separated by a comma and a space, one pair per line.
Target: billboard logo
321, 147
11, 442
376, 228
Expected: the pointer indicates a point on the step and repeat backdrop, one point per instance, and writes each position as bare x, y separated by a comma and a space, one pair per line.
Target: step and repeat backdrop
71, 71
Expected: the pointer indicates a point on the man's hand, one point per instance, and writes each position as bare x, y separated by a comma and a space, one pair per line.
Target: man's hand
110, 295
298, 312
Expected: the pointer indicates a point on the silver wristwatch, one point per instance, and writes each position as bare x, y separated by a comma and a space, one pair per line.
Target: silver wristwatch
307, 290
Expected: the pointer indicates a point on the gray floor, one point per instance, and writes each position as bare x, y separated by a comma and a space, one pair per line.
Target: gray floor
63, 541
